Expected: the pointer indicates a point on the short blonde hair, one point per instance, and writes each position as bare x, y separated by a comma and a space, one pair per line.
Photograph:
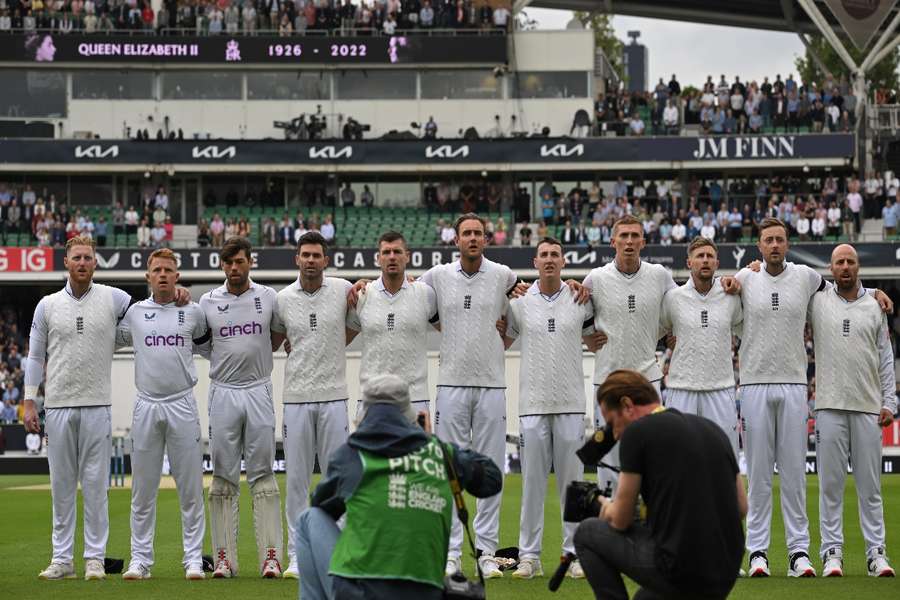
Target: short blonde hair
81, 240
627, 220
164, 253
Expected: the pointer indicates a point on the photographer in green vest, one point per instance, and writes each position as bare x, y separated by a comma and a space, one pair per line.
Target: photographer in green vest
391, 482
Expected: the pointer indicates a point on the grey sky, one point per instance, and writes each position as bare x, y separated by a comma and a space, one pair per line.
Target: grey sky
693, 51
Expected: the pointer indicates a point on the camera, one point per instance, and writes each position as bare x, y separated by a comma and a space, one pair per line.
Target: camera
457, 587
353, 129
581, 501
596, 447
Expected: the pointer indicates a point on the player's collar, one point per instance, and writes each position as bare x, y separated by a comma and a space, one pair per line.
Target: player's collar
481, 267
860, 292
69, 291
379, 285
224, 289
298, 285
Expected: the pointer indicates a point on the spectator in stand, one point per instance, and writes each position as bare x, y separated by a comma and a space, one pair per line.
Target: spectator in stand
143, 233
101, 231
285, 235
367, 198
735, 224
848, 221
158, 235
874, 189
203, 236
636, 126
348, 198
232, 18
269, 232
755, 123
501, 17
131, 221
118, 218
161, 200
500, 232
217, 229
855, 202
9, 413
679, 232
327, 230
159, 215
448, 235
889, 215
426, 15
708, 230
243, 227
670, 117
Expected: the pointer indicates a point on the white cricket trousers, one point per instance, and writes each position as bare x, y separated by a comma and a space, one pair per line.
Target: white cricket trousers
78, 450
608, 479
475, 418
775, 431
716, 405
172, 428
309, 429
843, 434
546, 440
241, 421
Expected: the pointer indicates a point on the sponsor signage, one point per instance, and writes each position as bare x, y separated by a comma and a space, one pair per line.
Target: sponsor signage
96, 49
27, 260
731, 256
688, 151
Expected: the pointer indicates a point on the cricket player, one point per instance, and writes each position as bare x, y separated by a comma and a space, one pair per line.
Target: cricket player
627, 296
703, 318
394, 317
311, 314
773, 396
74, 333
165, 414
241, 414
551, 399
855, 397
470, 408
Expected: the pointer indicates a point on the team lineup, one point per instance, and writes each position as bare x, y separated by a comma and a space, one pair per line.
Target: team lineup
620, 310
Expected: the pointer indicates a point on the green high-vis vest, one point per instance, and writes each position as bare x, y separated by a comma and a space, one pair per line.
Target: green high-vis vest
398, 519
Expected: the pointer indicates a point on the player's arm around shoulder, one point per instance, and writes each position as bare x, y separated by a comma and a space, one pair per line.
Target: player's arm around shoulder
123, 329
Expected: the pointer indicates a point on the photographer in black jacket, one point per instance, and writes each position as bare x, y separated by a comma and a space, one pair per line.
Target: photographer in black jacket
684, 469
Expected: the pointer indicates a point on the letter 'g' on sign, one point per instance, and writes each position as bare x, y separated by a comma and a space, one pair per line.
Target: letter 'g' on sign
26, 260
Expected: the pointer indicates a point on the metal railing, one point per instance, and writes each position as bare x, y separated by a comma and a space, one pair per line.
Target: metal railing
884, 117
203, 31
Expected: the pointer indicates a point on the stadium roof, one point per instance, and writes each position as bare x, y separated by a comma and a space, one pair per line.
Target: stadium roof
773, 15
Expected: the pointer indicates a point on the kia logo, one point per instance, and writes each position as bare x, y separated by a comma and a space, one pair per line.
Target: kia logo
213, 152
96, 151
330, 152
561, 150
446, 151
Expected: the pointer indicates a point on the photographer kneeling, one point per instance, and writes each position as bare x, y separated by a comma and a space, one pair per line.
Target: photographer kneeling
391, 480
685, 470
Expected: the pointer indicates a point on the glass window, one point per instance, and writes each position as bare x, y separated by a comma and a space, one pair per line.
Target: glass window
112, 85
375, 85
94, 190
453, 85
201, 85
32, 93
286, 85
550, 84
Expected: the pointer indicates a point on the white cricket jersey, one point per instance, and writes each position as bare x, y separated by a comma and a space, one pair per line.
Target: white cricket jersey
854, 360
703, 325
772, 347
76, 337
162, 336
626, 308
241, 343
551, 379
316, 327
394, 330
472, 352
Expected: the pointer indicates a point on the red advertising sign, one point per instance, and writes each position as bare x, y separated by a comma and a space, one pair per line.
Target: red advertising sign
25, 260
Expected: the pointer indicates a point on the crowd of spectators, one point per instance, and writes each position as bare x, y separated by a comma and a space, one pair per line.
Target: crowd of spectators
13, 349
737, 107
52, 222
285, 232
212, 17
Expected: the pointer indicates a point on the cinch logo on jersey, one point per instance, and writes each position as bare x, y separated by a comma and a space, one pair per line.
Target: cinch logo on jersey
551, 325
704, 318
846, 331
163, 340
631, 303
774, 300
252, 328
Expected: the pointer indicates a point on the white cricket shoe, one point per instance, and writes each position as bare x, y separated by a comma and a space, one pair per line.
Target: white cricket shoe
800, 565
93, 569
833, 563
293, 571
878, 566
271, 568
58, 570
528, 568
136, 571
759, 564
453, 566
194, 572
490, 568
223, 567
576, 571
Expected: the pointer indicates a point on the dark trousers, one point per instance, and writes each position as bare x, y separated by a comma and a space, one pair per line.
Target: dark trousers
606, 554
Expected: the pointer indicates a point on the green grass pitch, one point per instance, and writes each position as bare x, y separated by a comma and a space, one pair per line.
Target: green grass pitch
25, 550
